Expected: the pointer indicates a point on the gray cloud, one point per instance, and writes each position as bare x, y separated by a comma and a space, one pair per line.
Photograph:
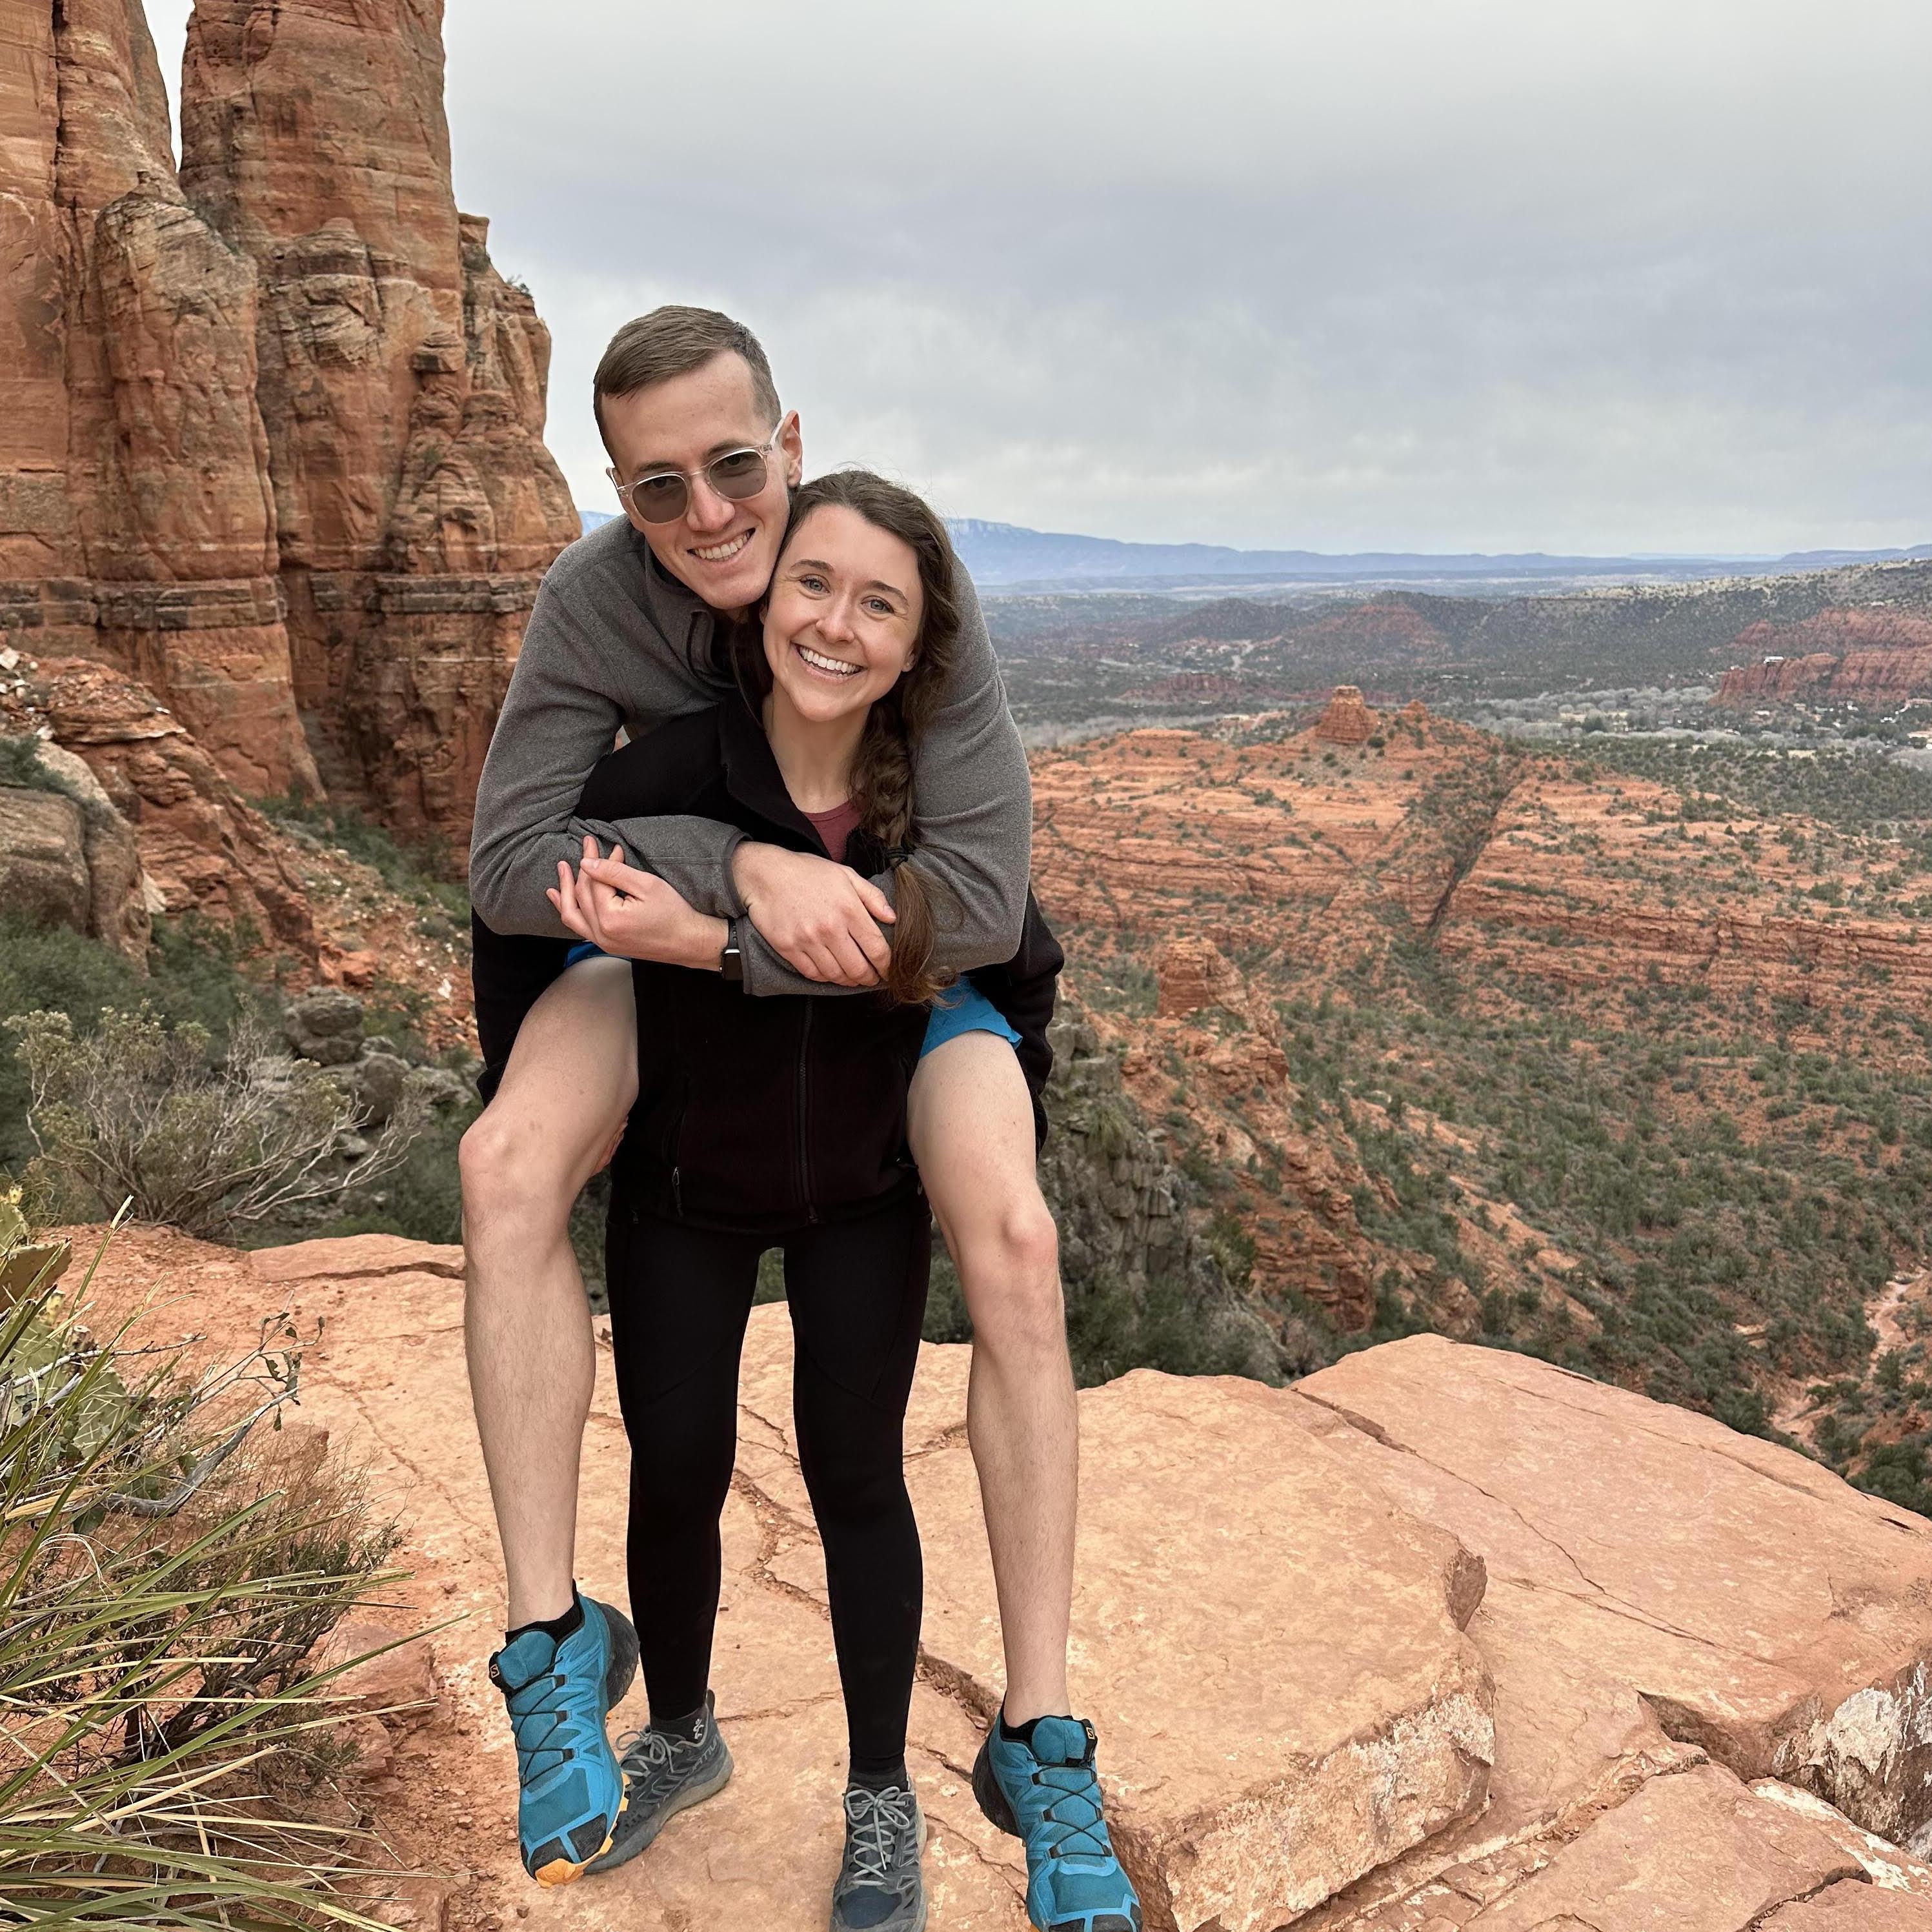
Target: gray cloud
1428, 274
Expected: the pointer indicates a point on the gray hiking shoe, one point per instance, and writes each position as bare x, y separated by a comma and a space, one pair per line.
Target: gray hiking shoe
664, 1774
880, 1887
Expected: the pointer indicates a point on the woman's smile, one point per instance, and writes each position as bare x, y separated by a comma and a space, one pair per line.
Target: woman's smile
824, 665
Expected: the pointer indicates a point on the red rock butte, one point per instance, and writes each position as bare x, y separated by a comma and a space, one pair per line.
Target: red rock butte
271, 425
1347, 720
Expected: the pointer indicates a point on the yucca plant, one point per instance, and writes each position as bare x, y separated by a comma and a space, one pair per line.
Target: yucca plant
165, 1576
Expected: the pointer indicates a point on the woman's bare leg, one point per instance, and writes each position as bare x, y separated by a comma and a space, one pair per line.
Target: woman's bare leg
972, 1133
553, 1123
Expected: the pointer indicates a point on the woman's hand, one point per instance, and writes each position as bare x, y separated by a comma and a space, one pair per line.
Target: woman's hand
633, 915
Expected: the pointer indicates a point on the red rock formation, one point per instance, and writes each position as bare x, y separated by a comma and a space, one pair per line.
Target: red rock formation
1380, 625
136, 522
1869, 657
205, 849
1191, 974
1347, 721
402, 385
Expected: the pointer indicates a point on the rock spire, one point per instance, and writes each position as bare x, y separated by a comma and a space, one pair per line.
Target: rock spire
136, 523
401, 385
271, 427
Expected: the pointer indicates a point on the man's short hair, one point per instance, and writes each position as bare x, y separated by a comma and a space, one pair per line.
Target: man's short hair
673, 341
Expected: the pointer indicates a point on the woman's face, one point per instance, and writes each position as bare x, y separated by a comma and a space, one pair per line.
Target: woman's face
843, 619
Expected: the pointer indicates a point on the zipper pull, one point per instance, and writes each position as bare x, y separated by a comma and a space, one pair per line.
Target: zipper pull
677, 1192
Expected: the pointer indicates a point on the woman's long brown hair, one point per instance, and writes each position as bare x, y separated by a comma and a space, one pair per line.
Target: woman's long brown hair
882, 771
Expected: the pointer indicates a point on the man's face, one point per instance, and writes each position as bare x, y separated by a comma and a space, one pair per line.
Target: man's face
723, 550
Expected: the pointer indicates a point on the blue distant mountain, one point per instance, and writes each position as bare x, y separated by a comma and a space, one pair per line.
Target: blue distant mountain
1011, 555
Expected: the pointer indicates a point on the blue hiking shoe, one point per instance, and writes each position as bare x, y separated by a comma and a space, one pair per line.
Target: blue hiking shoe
1045, 1794
571, 1786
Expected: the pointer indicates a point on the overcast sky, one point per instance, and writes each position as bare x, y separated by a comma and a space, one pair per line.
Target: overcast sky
1580, 275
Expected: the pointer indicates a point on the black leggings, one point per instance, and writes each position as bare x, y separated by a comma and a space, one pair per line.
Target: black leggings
679, 1298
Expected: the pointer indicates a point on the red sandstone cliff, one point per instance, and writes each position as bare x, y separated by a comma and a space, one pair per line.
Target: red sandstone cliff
1868, 657
135, 520
402, 386
272, 445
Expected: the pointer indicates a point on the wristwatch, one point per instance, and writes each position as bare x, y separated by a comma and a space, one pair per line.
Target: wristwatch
731, 961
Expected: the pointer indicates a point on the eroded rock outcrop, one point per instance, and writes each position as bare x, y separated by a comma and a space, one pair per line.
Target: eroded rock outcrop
1443, 1637
202, 847
135, 519
1347, 720
1129, 1238
402, 386
68, 858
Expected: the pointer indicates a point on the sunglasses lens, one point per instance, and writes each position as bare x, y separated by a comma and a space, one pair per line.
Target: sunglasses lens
659, 500
737, 475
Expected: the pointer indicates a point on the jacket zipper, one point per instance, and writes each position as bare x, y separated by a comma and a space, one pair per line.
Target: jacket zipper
804, 1137
677, 1192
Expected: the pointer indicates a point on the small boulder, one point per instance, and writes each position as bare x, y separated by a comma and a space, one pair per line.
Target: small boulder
439, 1087
383, 1698
324, 1026
377, 1080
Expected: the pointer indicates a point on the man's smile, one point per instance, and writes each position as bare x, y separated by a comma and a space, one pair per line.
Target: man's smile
723, 553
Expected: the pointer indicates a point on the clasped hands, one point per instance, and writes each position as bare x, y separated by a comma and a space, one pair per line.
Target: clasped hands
822, 918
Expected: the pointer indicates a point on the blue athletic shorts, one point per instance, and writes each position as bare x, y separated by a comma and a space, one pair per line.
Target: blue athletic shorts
961, 1008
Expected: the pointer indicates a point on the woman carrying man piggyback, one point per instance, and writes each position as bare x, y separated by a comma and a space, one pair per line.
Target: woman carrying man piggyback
781, 1122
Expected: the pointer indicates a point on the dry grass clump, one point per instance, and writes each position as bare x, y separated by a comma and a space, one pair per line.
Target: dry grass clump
169, 1563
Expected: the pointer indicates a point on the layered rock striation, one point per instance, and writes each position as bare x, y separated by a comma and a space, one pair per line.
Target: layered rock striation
136, 522
401, 385
204, 848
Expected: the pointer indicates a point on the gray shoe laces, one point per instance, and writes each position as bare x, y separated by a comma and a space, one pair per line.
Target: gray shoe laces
648, 1756
874, 1821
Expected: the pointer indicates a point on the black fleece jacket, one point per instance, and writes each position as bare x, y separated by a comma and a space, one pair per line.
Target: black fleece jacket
754, 1112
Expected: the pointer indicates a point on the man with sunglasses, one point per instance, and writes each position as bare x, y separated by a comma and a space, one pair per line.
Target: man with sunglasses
703, 458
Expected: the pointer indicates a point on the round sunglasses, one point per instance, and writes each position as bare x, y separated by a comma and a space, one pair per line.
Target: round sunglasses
664, 495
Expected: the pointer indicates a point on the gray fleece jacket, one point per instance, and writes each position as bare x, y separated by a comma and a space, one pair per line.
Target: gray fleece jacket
615, 640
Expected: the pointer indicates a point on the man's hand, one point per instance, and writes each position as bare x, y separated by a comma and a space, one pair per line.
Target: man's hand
822, 917
633, 915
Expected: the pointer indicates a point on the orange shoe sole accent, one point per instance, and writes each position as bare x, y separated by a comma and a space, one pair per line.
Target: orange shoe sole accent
562, 1871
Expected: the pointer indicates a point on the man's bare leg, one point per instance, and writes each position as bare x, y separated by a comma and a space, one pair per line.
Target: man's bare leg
972, 1133
571, 1078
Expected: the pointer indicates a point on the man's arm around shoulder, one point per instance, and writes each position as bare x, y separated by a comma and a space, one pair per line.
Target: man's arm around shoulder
592, 656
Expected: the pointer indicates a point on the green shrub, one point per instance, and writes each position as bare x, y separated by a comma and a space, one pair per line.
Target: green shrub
194, 974
135, 1112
